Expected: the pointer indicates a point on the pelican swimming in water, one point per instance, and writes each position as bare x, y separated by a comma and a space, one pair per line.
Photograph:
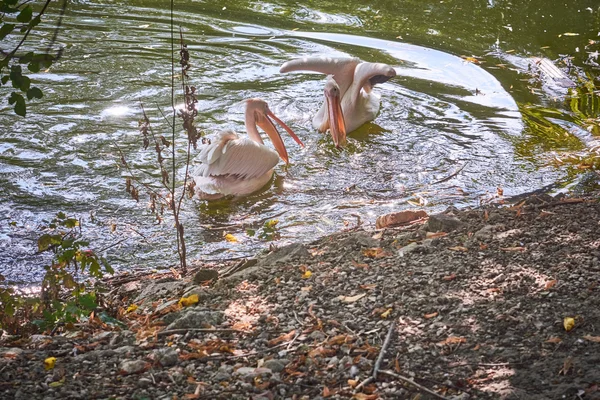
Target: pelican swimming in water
234, 165
349, 96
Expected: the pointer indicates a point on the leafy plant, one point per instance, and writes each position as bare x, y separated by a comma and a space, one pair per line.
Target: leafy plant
63, 298
19, 20
168, 193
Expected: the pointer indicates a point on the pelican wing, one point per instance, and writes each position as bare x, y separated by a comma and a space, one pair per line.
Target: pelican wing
342, 69
367, 75
231, 155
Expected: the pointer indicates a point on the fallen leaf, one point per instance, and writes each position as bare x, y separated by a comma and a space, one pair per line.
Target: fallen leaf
397, 366
595, 339
188, 301
554, 339
307, 274
369, 286
386, 313
351, 299
429, 316
513, 248
352, 383
338, 340
471, 60
550, 284
567, 366
364, 396
282, 338
230, 238
399, 218
477, 347
326, 392
306, 289
458, 248
433, 235
378, 235
569, 323
500, 191
374, 252
57, 383
449, 277
131, 308
452, 340
49, 363
359, 265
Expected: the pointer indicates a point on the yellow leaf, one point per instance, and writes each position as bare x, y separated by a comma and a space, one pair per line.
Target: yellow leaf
569, 323
131, 308
49, 363
188, 301
352, 299
386, 314
230, 238
271, 223
374, 252
307, 274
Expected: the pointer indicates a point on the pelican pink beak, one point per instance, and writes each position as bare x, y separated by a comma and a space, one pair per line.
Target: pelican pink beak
266, 124
337, 126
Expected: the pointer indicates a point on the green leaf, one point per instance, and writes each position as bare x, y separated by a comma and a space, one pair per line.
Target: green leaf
25, 14
34, 93
69, 222
5, 79
61, 215
34, 66
26, 58
88, 301
34, 22
95, 268
16, 76
5, 30
25, 83
106, 265
47, 240
19, 102
10, 2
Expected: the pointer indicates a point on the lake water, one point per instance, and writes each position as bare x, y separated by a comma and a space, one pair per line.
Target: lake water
442, 113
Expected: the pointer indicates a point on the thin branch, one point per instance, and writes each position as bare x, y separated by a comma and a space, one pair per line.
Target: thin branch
451, 175
136, 179
382, 351
13, 52
411, 382
205, 330
164, 116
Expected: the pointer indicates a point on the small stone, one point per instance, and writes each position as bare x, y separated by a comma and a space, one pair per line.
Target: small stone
443, 223
166, 356
144, 382
192, 318
204, 275
129, 367
275, 365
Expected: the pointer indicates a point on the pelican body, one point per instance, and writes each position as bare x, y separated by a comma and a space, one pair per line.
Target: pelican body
349, 96
234, 165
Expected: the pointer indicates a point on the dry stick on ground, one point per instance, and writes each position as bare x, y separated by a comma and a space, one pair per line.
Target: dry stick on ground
376, 370
207, 330
386, 343
415, 384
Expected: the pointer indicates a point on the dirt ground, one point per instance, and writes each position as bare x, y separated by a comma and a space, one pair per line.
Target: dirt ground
493, 303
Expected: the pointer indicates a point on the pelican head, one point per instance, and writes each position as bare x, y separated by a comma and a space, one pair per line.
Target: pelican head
333, 101
258, 113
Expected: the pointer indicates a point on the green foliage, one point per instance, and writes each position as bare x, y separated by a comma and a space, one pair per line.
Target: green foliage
20, 15
64, 299
268, 232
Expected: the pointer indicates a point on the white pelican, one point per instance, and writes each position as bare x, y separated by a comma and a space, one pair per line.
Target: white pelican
351, 85
234, 165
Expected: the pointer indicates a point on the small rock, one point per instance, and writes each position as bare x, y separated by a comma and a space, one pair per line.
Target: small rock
191, 318
166, 356
11, 353
286, 254
129, 367
443, 223
275, 365
166, 304
144, 382
205, 274
399, 218
409, 248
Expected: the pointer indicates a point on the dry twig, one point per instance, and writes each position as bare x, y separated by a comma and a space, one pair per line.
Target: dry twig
415, 384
